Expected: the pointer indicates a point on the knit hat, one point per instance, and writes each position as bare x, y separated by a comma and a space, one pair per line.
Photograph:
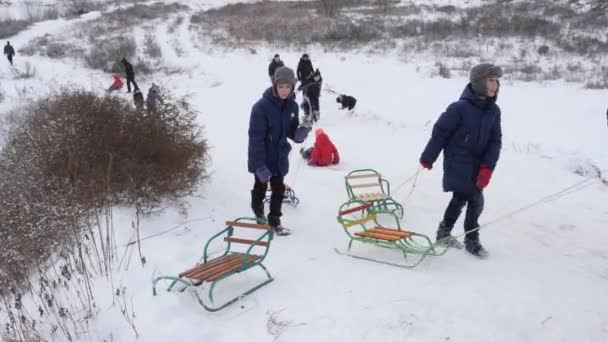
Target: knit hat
479, 75
318, 132
284, 75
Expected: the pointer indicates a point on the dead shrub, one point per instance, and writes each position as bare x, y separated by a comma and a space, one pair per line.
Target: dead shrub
151, 47
75, 153
107, 53
10, 27
28, 71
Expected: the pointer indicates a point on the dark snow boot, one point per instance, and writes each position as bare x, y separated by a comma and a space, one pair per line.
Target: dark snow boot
443, 234
277, 228
474, 247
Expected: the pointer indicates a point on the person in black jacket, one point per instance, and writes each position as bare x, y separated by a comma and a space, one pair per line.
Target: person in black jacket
305, 68
311, 89
346, 101
130, 74
9, 52
276, 63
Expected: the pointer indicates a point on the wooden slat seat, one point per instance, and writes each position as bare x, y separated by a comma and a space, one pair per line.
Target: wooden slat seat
378, 236
371, 196
217, 267
390, 231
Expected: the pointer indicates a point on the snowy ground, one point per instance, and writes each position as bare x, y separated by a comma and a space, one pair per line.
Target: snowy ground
547, 274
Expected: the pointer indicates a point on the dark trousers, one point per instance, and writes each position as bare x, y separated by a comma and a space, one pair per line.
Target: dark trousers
131, 79
276, 199
10, 58
474, 202
314, 102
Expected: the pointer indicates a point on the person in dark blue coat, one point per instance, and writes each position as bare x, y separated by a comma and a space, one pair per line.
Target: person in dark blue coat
274, 118
469, 133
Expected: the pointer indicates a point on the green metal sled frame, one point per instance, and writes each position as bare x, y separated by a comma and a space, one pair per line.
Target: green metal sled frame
407, 242
224, 266
382, 205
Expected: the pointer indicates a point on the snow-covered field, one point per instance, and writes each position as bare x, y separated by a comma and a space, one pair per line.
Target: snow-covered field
547, 274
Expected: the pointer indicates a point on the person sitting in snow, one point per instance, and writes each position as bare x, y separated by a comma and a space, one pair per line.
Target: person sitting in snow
311, 89
470, 136
323, 153
276, 63
274, 118
138, 99
346, 101
116, 85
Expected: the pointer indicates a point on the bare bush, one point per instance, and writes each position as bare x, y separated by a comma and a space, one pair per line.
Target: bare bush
285, 22
10, 27
107, 53
28, 71
48, 46
174, 24
76, 153
39, 12
79, 7
151, 47
443, 70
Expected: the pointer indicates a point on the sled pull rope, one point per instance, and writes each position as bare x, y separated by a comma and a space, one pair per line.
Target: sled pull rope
550, 198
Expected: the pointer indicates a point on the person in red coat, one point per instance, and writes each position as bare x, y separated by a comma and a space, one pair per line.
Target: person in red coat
116, 85
323, 153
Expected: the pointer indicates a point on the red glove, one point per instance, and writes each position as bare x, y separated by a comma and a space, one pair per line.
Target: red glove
483, 178
426, 165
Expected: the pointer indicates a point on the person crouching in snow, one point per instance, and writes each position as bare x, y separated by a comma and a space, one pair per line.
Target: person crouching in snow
116, 85
323, 153
138, 99
346, 101
274, 118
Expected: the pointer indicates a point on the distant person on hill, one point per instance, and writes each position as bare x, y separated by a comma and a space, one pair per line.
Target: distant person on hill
9, 52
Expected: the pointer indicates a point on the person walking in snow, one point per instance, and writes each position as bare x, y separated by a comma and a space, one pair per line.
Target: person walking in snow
130, 73
9, 52
153, 97
347, 102
305, 68
274, 118
323, 153
311, 89
469, 134
274, 65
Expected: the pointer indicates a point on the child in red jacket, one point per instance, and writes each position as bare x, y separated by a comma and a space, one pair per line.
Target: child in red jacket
116, 85
323, 153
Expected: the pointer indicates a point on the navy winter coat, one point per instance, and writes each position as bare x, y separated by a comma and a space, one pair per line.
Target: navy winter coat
470, 135
272, 121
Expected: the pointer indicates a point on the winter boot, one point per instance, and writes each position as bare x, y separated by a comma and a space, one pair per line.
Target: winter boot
443, 234
474, 247
275, 224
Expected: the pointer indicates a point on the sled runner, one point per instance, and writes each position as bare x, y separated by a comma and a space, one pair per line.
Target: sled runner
213, 271
360, 223
289, 197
